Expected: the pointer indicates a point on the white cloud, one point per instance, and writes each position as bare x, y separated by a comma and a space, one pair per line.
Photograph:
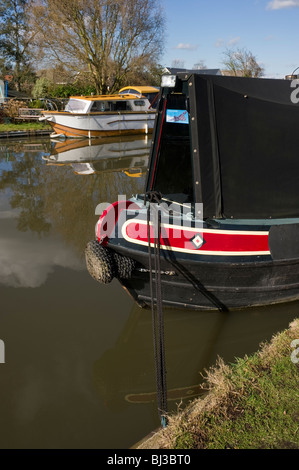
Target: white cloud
280, 4
220, 42
234, 41
187, 47
26, 261
227, 43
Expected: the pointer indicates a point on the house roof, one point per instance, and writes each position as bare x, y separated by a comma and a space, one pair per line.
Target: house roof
16, 94
174, 71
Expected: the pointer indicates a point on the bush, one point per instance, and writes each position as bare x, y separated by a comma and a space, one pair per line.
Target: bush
11, 108
36, 104
41, 88
65, 91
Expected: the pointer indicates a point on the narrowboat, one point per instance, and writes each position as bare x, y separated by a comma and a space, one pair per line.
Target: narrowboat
218, 224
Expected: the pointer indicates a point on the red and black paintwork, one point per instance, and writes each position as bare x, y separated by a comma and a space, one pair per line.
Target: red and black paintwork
228, 266
235, 155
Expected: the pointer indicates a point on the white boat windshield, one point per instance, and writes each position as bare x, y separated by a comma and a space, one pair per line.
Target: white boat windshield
77, 106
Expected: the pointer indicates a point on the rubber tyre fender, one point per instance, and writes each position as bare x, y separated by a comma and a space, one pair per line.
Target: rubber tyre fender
99, 262
124, 266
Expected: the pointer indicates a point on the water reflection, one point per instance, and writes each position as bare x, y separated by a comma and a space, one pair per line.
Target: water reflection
79, 369
126, 154
194, 341
21, 178
26, 261
53, 198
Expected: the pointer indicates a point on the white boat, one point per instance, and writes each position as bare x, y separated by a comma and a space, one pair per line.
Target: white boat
102, 116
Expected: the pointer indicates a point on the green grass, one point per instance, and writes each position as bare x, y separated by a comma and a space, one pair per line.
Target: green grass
250, 404
264, 408
24, 126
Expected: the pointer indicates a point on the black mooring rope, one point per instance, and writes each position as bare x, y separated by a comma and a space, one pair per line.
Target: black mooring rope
157, 315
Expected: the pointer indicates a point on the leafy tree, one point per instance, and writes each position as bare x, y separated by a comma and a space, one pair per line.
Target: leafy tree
15, 40
242, 62
64, 91
102, 38
41, 87
150, 75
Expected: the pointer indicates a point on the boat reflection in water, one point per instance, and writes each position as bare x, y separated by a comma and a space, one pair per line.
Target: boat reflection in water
128, 154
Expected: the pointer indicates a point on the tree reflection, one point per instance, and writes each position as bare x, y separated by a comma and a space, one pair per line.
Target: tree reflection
21, 178
53, 198
70, 199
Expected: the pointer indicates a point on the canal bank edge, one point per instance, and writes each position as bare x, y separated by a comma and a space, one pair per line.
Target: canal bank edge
250, 404
27, 133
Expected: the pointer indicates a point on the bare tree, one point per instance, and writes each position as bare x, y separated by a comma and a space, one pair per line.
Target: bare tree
200, 65
178, 64
242, 62
104, 39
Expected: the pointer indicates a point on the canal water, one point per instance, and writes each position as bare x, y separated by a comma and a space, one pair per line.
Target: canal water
77, 368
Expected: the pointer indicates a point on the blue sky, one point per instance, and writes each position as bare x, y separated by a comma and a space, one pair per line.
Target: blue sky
201, 30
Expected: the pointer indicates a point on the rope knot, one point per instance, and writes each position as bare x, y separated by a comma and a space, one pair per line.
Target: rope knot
154, 196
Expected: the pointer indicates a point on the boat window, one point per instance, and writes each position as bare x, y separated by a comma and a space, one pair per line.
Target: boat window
152, 97
76, 106
118, 106
100, 106
139, 103
173, 175
129, 92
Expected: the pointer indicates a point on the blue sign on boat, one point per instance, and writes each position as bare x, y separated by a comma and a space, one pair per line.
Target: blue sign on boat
179, 116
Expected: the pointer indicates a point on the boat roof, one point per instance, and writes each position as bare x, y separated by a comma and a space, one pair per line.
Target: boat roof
119, 97
140, 89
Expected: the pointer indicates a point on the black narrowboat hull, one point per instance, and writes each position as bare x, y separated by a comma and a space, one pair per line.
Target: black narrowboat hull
219, 266
223, 287
213, 285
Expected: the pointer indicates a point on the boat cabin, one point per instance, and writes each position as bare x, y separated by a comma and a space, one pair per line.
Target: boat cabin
106, 103
149, 92
229, 143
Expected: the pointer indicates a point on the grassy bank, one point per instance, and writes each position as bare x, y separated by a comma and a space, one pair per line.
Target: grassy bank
24, 126
251, 404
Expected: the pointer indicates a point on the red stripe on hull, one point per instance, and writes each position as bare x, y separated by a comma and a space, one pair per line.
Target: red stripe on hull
205, 241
